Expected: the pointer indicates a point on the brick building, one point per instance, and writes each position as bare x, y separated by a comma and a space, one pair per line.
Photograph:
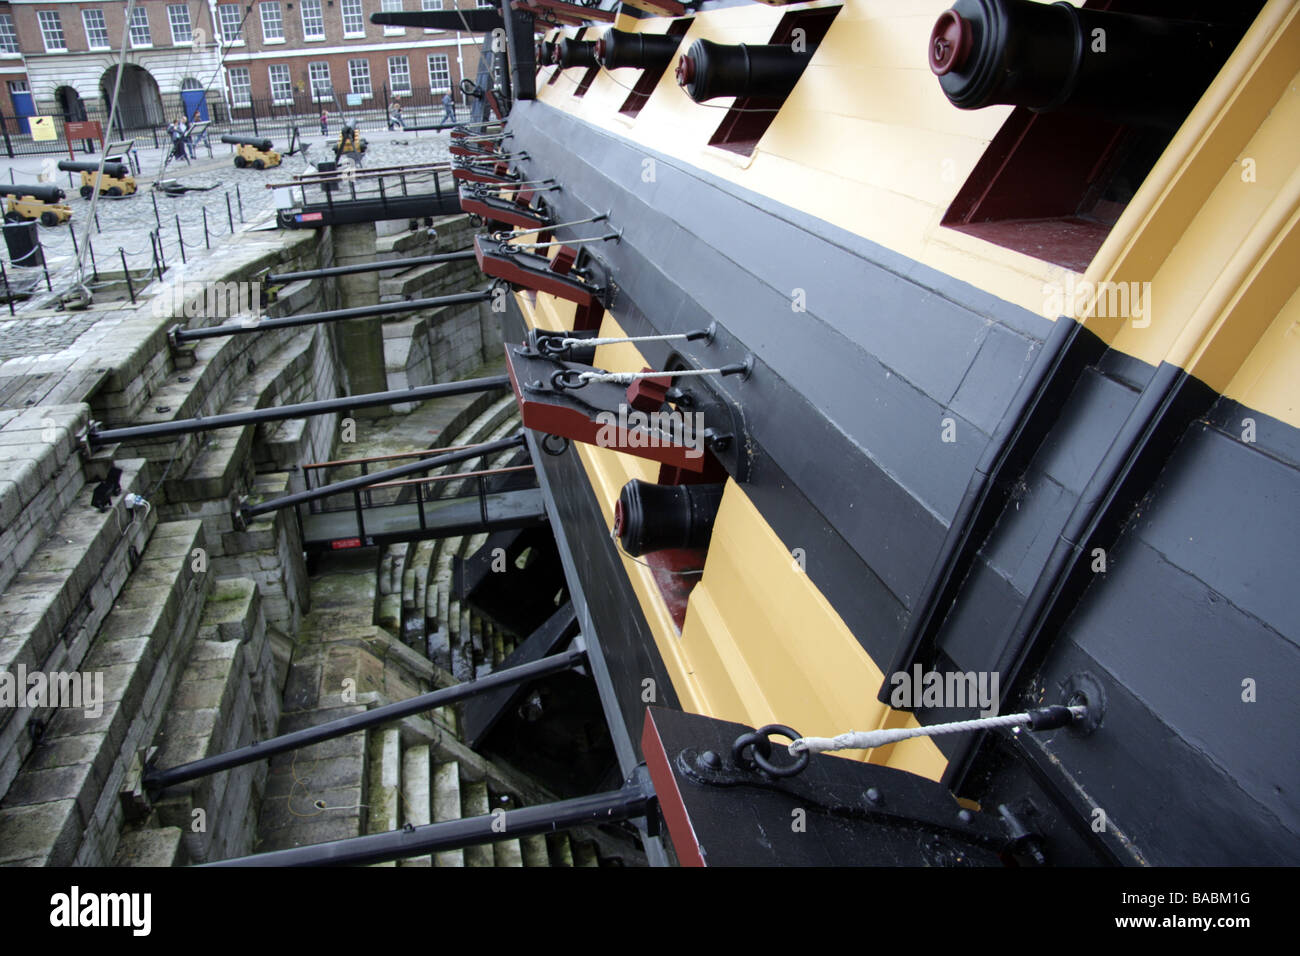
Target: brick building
60, 57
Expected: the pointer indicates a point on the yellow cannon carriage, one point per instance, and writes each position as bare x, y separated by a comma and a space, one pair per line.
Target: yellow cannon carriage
252, 151
116, 180
42, 201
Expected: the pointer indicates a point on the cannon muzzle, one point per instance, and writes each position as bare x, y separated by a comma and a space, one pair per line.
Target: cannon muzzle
643, 51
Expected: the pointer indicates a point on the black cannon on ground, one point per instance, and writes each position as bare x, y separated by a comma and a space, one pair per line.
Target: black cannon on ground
116, 180
255, 151
43, 201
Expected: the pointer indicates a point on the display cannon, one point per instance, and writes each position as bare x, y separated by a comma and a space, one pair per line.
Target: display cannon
115, 181
350, 141
252, 151
41, 201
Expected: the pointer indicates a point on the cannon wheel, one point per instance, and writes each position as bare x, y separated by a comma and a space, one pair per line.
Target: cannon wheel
258, 164
49, 218
240, 162
114, 190
87, 191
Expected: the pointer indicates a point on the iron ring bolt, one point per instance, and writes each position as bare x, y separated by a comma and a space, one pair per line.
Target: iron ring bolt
760, 756
567, 378
744, 742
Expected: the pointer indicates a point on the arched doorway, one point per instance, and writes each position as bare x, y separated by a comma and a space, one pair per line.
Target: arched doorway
140, 103
70, 104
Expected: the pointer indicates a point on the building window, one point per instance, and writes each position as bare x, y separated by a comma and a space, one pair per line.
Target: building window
241, 86
313, 24
178, 16
8, 38
431, 5
51, 30
392, 6
140, 27
321, 88
359, 76
281, 84
354, 23
439, 73
399, 74
272, 21
96, 29
232, 21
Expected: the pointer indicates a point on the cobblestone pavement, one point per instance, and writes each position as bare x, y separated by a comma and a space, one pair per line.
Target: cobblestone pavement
127, 223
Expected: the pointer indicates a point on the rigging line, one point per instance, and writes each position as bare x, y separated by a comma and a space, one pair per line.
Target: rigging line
1041, 718
112, 114
619, 545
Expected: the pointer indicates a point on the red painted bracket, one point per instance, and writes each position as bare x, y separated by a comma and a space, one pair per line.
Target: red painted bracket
663, 8
457, 149
498, 176
494, 209
532, 271
570, 13
573, 413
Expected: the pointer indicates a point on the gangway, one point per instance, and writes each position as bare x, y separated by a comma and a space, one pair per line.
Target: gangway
415, 509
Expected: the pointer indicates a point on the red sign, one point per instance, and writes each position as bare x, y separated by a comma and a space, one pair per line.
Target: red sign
343, 543
87, 129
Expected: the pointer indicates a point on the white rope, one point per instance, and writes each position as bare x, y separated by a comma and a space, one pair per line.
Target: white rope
559, 242
866, 740
627, 378
570, 343
505, 236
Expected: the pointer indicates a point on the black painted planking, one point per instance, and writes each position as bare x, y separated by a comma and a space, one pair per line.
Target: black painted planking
1272, 436
1088, 421
1159, 789
482, 713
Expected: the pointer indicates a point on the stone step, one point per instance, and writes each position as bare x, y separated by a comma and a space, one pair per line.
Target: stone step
417, 782
559, 849
533, 849
62, 595
64, 807
228, 697
153, 846
474, 803
446, 806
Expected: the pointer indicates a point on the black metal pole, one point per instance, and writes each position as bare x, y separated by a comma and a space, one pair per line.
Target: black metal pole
73, 232
207, 242
9, 293
156, 217
459, 256
554, 664
633, 800
229, 213
97, 229
240, 201
126, 271
315, 318
248, 512
94, 269
180, 238
185, 426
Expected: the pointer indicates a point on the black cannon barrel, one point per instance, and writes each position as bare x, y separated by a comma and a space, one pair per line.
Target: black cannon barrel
1139, 70
545, 52
644, 51
650, 517
257, 142
709, 70
44, 192
575, 53
116, 170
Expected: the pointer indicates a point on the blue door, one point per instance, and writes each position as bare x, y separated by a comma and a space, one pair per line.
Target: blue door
24, 107
195, 100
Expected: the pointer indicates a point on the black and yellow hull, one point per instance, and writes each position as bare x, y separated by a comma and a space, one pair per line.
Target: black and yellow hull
958, 457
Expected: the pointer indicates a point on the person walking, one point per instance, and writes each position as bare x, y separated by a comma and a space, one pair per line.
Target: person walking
448, 108
324, 123
395, 118
177, 133
187, 130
